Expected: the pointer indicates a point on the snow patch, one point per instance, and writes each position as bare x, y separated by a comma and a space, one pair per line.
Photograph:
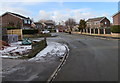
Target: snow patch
53, 49
14, 50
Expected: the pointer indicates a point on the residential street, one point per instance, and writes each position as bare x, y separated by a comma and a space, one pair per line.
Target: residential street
59, 41
90, 59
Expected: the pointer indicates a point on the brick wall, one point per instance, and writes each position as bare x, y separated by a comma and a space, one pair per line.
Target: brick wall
116, 19
6, 19
107, 23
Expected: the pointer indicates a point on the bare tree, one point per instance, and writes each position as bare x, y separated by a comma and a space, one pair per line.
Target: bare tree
70, 23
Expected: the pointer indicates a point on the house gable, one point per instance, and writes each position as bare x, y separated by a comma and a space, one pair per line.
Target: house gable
98, 22
8, 19
16, 20
16, 15
116, 18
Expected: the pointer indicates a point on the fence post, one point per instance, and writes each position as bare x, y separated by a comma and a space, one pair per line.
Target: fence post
90, 30
98, 31
86, 30
21, 36
111, 33
94, 31
104, 31
83, 30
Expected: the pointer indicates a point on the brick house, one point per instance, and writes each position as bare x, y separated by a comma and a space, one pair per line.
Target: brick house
38, 25
116, 18
15, 20
49, 24
98, 22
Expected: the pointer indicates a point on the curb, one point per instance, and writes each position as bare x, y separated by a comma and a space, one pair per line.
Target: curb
103, 36
52, 77
99, 36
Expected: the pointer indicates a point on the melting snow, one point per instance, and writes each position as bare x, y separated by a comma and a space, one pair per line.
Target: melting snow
53, 49
14, 49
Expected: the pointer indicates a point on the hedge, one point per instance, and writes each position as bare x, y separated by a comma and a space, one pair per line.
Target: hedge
30, 31
10, 27
37, 47
115, 29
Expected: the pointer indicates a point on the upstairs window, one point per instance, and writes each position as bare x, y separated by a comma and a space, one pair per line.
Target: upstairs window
105, 23
28, 21
25, 21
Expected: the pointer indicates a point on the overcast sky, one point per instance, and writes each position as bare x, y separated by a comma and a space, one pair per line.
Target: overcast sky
61, 11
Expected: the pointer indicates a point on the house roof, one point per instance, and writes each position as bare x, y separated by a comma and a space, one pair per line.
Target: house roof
37, 23
95, 19
116, 13
17, 15
49, 23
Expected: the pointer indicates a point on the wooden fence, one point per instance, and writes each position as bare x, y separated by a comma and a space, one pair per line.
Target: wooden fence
17, 32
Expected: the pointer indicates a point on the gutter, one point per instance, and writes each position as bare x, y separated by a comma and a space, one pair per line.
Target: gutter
52, 77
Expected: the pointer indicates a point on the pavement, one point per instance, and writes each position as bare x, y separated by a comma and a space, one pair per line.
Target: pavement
113, 36
39, 68
30, 72
90, 59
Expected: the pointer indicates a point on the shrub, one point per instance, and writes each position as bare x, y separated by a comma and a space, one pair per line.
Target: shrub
115, 28
9, 27
37, 47
44, 35
30, 31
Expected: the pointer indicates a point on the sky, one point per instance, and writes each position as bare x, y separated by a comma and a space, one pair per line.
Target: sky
61, 11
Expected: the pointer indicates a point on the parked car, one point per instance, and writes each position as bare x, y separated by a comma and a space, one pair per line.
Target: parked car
45, 31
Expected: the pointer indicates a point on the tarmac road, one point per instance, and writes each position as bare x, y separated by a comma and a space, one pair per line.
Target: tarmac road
90, 59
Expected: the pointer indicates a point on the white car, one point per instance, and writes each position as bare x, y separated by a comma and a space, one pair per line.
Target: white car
46, 31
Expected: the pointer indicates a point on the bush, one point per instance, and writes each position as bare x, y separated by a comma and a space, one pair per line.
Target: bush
30, 31
9, 27
115, 29
37, 47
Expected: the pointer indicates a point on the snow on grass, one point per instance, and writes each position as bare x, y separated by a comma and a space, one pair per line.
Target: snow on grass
8, 49
5, 56
16, 43
14, 50
52, 50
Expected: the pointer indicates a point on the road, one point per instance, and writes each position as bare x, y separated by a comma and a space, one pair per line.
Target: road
90, 59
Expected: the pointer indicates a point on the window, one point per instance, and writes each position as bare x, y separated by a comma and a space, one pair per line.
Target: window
105, 22
25, 21
28, 21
